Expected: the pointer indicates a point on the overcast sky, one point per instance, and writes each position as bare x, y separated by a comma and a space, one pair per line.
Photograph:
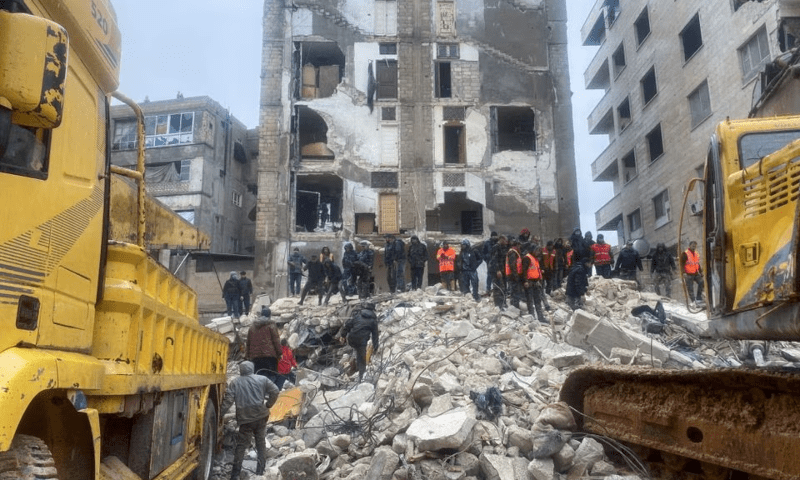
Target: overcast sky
205, 47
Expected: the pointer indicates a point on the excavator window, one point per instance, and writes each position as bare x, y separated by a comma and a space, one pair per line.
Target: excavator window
757, 145
26, 152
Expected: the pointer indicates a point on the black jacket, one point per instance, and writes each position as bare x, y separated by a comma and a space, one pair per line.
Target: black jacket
417, 254
231, 288
316, 272
628, 260
469, 259
360, 327
333, 273
662, 260
395, 251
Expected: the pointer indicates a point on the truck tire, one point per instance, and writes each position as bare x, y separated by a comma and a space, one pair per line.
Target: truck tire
207, 445
27, 459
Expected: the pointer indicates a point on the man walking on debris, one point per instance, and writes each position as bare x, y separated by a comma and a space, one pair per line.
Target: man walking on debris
577, 280
316, 275
469, 260
446, 257
661, 269
532, 284
245, 289
296, 263
264, 345
253, 395
417, 259
232, 294
358, 330
603, 258
394, 256
690, 263
333, 276
628, 262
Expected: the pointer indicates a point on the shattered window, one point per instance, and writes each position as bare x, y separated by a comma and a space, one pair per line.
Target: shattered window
124, 135
159, 130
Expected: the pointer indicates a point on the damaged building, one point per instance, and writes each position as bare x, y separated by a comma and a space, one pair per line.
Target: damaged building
440, 119
670, 72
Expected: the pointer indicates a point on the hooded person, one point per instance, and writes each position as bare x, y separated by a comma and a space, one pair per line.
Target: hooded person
296, 264
469, 259
358, 330
628, 261
253, 395
417, 259
349, 257
231, 292
264, 345
394, 257
577, 280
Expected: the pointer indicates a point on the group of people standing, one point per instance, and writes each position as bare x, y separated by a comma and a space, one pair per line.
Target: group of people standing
236, 293
354, 277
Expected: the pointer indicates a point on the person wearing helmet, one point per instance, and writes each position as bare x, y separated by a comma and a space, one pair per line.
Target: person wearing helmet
468, 261
231, 292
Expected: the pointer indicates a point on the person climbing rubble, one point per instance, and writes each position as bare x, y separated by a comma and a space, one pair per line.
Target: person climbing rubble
253, 396
333, 277
358, 330
661, 269
316, 276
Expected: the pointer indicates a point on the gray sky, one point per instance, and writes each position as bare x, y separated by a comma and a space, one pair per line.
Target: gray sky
204, 47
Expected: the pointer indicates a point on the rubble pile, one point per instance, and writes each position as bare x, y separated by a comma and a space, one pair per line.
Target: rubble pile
459, 389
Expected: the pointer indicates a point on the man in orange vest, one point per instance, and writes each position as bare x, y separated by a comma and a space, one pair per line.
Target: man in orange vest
603, 258
690, 263
532, 283
447, 264
514, 272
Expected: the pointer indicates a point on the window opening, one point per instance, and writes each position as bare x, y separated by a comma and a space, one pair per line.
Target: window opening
160, 131
635, 221
642, 26
514, 129
26, 152
661, 208
459, 215
386, 76
691, 38
447, 50
312, 135
388, 114
655, 143
618, 58
387, 49
754, 53
454, 144
320, 66
649, 86
700, 104
629, 166
624, 114
318, 203
443, 88
237, 198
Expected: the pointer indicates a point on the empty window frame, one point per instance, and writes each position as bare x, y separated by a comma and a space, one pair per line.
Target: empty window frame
642, 27
237, 198
513, 128
386, 75
443, 80
618, 59
700, 104
454, 143
691, 38
447, 50
754, 53
661, 208
649, 86
387, 49
186, 170
629, 166
655, 143
624, 114
635, 221
389, 114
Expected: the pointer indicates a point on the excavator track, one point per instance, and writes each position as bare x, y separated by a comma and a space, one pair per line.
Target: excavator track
714, 424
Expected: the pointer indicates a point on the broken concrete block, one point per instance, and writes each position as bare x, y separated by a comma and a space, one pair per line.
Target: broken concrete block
602, 468
491, 366
563, 458
558, 415
457, 329
423, 394
449, 430
384, 463
497, 467
521, 438
297, 466
440, 405
589, 452
541, 469
547, 441
566, 358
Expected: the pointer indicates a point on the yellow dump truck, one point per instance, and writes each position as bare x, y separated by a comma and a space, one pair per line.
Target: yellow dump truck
735, 423
104, 367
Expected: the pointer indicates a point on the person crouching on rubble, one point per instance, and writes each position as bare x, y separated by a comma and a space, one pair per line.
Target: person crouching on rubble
357, 330
253, 395
264, 345
285, 365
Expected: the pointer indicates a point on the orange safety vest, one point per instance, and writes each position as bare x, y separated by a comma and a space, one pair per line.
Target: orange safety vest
548, 258
517, 263
569, 258
534, 273
692, 265
602, 254
447, 260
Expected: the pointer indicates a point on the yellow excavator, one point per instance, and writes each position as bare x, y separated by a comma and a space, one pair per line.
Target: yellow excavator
736, 423
105, 370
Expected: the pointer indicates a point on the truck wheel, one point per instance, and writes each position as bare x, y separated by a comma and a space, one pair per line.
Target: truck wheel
27, 459
207, 445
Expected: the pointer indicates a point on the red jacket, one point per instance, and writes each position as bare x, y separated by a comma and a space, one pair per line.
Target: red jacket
287, 361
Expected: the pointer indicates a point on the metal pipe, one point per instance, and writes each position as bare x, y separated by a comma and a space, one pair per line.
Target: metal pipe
140, 166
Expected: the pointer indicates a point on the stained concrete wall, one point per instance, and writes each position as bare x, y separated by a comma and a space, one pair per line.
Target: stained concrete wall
511, 53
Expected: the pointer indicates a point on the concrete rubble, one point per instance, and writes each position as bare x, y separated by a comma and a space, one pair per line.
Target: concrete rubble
414, 416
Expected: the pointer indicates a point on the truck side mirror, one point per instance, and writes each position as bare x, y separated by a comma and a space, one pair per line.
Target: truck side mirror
33, 70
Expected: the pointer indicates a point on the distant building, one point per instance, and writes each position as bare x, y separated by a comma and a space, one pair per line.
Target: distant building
440, 119
671, 71
202, 163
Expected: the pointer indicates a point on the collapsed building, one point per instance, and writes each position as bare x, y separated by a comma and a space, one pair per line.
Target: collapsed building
430, 118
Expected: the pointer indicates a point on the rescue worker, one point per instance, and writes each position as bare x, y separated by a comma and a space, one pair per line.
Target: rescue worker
253, 395
348, 258
245, 290
628, 262
296, 263
362, 270
446, 257
579, 259
394, 256
524, 239
513, 272
661, 268
469, 260
417, 259
560, 264
263, 346
603, 258
486, 254
358, 330
690, 263
497, 266
333, 276
532, 284
548, 265
231, 293
316, 276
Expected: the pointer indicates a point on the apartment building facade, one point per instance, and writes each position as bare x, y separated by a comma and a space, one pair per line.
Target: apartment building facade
435, 118
671, 71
